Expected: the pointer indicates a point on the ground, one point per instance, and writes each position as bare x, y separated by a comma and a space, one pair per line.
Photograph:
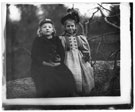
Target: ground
106, 83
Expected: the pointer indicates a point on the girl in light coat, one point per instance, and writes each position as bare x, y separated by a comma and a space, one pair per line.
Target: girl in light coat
77, 55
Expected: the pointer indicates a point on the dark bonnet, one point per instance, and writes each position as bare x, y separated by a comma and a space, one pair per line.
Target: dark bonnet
73, 16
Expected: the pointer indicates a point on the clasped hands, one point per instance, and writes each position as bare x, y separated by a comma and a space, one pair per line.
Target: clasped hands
51, 64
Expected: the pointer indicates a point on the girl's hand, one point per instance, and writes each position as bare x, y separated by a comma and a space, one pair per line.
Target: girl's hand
85, 58
56, 64
51, 64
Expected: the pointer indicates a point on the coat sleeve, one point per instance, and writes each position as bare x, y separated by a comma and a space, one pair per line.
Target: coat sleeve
36, 51
85, 48
60, 49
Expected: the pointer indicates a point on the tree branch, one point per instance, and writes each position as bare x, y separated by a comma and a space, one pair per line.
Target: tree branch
88, 21
113, 15
105, 34
111, 23
104, 7
105, 18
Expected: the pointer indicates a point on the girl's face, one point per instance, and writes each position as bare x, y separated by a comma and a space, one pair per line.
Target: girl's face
47, 29
70, 26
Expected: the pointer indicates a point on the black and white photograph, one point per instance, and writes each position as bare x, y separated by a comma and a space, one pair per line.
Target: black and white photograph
67, 55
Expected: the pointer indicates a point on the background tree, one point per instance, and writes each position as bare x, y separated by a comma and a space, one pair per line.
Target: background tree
103, 37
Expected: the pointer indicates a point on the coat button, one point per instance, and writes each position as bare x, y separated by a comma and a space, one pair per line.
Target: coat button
75, 44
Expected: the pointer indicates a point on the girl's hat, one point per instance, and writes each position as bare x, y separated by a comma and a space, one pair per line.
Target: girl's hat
71, 15
39, 33
45, 21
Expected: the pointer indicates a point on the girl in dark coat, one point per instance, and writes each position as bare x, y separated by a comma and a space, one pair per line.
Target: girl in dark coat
51, 77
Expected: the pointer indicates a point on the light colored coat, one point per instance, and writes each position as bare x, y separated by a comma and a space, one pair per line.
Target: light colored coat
76, 48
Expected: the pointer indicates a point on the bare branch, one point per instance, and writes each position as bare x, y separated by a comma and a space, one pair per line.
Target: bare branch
115, 58
97, 49
94, 13
111, 23
88, 21
98, 36
105, 18
114, 15
101, 12
108, 10
104, 7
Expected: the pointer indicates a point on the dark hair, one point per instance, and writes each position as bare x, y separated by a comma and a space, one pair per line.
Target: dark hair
73, 15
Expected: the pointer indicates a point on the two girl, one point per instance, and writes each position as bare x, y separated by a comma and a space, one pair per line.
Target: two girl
60, 65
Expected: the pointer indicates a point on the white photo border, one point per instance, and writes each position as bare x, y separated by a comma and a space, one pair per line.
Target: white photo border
125, 73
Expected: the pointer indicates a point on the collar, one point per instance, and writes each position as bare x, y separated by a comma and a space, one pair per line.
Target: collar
68, 34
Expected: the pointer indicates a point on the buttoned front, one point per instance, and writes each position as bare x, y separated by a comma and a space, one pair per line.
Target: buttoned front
73, 43
76, 49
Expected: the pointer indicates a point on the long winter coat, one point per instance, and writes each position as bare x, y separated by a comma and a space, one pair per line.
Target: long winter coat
50, 81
